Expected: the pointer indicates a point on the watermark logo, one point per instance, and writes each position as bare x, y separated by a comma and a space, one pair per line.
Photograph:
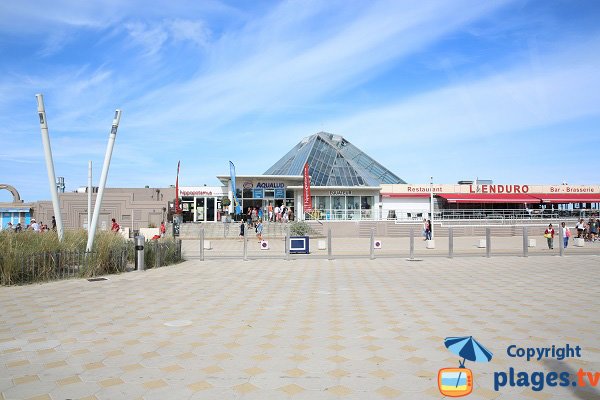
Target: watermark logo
458, 382
455, 382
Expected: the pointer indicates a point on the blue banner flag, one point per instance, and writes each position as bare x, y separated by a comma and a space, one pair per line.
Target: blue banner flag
236, 203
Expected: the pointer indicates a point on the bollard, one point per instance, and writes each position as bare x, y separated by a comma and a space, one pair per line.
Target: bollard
156, 255
488, 242
372, 254
450, 242
245, 245
201, 244
525, 242
561, 244
329, 253
412, 243
139, 252
287, 247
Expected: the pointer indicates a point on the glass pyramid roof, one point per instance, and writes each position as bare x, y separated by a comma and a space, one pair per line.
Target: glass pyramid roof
333, 161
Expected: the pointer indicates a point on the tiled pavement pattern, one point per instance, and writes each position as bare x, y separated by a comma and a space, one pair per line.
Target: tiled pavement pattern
303, 329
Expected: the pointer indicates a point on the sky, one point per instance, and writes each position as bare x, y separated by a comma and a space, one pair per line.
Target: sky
462, 89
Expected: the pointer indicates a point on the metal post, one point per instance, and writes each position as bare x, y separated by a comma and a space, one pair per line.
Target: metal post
412, 243
329, 251
561, 245
450, 242
202, 244
431, 207
488, 242
109, 148
139, 252
525, 242
89, 210
156, 255
372, 254
246, 233
49, 165
287, 245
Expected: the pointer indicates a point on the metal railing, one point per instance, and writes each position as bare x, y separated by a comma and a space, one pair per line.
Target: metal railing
508, 215
491, 241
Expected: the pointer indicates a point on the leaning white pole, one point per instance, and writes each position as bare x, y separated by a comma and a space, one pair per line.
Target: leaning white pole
98, 205
49, 164
90, 188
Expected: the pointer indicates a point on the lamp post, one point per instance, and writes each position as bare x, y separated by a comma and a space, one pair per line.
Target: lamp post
109, 149
49, 165
431, 204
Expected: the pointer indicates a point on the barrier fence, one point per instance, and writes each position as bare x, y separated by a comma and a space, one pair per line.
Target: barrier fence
493, 242
55, 265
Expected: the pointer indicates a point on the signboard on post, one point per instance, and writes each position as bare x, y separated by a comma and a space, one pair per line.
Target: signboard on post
306, 191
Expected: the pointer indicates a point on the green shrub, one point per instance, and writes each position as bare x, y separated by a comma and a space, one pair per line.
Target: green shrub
300, 228
28, 256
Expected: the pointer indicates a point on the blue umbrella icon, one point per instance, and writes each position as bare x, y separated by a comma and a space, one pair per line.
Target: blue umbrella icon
467, 348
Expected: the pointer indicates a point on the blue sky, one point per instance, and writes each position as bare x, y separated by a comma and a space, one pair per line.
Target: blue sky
503, 90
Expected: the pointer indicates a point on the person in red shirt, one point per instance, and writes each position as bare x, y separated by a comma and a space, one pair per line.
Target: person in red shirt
115, 227
163, 229
549, 235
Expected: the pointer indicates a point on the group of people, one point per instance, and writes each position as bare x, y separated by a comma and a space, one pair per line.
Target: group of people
34, 226
249, 225
585, 230
162, 229
274, 213
588, 230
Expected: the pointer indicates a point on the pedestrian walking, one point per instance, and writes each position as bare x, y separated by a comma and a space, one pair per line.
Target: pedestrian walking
242, 229
549, 235
259, 231
566, 235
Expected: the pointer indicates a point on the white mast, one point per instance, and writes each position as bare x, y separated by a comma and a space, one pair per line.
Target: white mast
49, 165
107, 157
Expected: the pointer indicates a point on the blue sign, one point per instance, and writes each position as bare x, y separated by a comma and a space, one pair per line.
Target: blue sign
258, 193
280, 193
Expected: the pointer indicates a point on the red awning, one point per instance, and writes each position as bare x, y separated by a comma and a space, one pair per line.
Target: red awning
569, 198
489, 198
404, 195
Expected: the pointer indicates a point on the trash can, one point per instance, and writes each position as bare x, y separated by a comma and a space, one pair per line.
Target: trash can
139, 252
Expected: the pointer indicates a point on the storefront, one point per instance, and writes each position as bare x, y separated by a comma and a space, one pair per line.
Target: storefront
14, 215
472, 200
202, 204
330, 203
344, 204
262, 190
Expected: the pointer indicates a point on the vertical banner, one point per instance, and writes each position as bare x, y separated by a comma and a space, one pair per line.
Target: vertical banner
236, 203
306, 191
177, 207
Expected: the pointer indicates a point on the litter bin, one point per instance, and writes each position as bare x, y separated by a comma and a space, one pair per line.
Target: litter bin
139, 252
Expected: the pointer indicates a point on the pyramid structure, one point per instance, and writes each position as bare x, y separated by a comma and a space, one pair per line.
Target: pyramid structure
333, 161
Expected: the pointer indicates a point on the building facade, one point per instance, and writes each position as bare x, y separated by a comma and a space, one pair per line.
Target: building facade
346, 185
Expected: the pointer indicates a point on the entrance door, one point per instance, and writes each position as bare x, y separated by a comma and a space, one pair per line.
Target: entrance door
200, 209
210, 209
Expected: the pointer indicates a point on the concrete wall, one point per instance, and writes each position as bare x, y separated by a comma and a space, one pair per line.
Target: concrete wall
133, 208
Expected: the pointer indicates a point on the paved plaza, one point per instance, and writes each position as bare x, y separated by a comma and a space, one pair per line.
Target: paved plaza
299, 329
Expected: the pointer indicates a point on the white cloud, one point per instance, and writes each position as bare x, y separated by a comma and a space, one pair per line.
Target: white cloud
283, 71
150, 38
186, 30
565, 89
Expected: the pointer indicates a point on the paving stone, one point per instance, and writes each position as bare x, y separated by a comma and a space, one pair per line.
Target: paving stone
303, 329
